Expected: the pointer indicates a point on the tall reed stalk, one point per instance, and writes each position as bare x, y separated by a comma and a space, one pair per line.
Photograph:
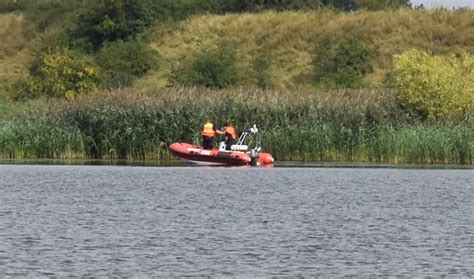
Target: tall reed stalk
363, 126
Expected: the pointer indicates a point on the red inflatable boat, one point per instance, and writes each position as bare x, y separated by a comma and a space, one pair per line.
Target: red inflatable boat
196, 154
239, 155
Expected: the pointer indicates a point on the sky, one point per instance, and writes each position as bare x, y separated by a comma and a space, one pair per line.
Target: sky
444, 3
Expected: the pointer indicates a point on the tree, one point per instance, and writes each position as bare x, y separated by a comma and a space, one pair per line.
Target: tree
114, 20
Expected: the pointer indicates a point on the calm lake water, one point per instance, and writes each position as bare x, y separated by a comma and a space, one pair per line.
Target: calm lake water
235, 222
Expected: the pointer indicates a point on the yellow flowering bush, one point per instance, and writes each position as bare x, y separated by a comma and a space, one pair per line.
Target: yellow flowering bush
435, 86
61, 75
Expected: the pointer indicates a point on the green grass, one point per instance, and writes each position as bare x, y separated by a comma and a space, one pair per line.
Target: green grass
285, 40
349, 126
434, 144
10, 109
288, 39
15, 46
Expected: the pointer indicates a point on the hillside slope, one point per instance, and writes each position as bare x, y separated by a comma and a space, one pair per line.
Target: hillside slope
14, 51
288, 39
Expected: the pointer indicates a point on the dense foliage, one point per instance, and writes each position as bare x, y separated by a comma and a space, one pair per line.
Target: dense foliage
375, 5
7, 6
113, 20
68, 48
61, 74
337, 126
240, 6
177, 9
123, 62
435, 86
348, 5
213, 67
343, 63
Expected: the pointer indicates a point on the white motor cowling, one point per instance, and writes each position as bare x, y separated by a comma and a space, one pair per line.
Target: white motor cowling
239, 147
222, 146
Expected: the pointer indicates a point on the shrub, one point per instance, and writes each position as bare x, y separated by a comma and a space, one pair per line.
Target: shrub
434, 86
44, 14
106, 20
374, 5
122, 62
61, 74
213, 67
7, 6
115, 20
342, 64
253, 6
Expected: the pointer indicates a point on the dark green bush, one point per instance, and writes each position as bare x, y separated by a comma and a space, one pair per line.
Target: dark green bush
114, 20
123, 62
44, 14
108, 21
375, 5
7, 6
240, 6
342, 64
213, 67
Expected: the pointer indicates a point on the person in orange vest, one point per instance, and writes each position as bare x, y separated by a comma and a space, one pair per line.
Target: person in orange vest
208, 133
230, 135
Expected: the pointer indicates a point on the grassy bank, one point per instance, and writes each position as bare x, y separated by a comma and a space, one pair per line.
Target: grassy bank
286, 41
346, 125
297, 55
15, 46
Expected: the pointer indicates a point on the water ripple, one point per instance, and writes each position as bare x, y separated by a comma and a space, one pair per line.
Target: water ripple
61, 221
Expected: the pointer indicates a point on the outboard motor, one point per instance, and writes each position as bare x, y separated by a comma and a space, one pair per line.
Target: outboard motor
222, 146
254, 154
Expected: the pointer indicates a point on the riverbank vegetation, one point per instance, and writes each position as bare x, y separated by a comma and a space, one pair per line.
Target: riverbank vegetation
346, 125
327, 80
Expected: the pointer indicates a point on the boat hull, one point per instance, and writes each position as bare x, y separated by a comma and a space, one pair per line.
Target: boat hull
196, 154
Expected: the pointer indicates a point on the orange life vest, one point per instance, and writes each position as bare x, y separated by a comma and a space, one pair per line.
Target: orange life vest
231, 132
208, 130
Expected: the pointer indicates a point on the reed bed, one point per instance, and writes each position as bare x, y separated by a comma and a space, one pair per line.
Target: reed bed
347, 125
